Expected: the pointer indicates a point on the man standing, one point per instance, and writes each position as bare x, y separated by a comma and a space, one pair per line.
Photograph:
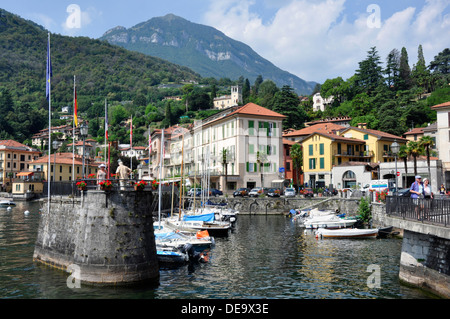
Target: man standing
416, 191
123, 173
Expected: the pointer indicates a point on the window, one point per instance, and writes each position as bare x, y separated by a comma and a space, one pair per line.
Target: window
366, 137
251, 127
251, 149
311, 150
288, 166
322, 151
312, 163
322, 163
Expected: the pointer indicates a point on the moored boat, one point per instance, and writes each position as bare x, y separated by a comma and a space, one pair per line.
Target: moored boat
7, 203
346, 233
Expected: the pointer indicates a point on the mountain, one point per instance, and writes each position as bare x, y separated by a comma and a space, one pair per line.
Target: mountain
101, 69
203, 49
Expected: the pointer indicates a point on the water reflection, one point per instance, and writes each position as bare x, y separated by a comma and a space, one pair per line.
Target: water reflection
264, 257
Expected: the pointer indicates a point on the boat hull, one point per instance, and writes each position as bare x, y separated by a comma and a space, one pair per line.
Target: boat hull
347, 233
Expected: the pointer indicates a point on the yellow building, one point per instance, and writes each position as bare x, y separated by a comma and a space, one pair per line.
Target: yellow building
377, 143
61, 166
321, 151
14, 158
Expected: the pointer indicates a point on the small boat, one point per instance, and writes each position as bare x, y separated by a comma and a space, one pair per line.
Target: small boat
170, 256
329, 222
7, 203
201, 222
347, 233
384, 231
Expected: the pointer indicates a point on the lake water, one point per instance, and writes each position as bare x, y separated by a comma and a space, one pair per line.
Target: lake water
263, 257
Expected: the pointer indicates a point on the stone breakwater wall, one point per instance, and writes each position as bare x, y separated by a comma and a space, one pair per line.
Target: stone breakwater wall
106, 237
281, 205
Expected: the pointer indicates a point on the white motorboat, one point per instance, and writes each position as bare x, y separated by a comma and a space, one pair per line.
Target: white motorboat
347, 233
200, 222
330, 222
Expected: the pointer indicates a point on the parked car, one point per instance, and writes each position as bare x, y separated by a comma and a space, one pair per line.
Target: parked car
255, 192
191, 192
308, 192
274, 192
289, 192
241, 192
404, 192
215, 192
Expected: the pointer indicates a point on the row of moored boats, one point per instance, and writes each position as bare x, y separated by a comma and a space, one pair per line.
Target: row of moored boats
332, 224
188, 236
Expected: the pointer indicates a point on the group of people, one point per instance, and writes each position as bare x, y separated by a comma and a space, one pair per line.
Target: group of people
421, 189
122, 173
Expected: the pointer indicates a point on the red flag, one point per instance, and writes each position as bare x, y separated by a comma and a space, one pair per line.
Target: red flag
75, 109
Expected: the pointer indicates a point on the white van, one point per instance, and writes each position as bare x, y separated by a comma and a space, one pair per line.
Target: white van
379, 185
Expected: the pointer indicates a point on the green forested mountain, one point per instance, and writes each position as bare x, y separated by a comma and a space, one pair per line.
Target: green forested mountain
203, 49
102, 71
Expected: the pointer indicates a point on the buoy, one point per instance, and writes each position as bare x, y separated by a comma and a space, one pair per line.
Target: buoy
26, 212
9, 208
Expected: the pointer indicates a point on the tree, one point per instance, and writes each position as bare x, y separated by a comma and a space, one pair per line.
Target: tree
441, 62
287, 103
246, 91
404, 71
392, 68
427, 143
296, 153
414, 149
370, 74
420, 73
403, 154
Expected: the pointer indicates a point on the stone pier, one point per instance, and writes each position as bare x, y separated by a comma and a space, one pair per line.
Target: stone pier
107, 237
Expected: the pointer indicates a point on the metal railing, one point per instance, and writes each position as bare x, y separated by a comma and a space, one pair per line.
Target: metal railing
434, 211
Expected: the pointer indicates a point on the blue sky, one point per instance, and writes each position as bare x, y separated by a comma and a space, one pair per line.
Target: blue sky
313, 39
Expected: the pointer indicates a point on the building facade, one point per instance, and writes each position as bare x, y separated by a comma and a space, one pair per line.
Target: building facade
226, 101
443, 139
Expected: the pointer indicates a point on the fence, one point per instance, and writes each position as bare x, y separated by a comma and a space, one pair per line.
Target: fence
434, 211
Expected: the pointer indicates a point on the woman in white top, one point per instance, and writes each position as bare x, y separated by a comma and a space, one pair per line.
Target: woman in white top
428, 196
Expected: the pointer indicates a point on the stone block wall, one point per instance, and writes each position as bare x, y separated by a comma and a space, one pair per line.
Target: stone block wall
108, 235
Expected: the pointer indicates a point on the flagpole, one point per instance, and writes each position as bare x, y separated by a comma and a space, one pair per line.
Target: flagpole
131, 144
73, 129
160, 177
106, 132
49, 86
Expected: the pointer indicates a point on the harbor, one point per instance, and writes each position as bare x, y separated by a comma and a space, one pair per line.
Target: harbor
264, 256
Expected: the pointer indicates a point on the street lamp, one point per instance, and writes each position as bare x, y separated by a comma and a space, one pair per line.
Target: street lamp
395, 148
84, 133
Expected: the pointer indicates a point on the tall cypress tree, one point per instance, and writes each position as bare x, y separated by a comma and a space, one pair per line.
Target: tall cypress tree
370, 74
405, 71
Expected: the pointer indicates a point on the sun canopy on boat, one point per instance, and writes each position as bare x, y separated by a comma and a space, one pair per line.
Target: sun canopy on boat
203, 217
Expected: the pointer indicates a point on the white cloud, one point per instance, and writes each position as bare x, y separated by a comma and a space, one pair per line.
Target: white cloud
317, 40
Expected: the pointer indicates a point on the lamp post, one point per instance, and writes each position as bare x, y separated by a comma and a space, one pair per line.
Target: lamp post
84, 133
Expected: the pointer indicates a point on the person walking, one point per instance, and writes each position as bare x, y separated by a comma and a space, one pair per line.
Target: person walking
428, 197
416, 191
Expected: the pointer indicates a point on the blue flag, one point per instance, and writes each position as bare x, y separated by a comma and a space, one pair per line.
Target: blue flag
49, 69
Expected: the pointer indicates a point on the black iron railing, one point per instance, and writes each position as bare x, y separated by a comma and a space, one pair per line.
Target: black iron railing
434, 211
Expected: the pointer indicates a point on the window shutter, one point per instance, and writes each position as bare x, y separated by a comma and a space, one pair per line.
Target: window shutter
247, 166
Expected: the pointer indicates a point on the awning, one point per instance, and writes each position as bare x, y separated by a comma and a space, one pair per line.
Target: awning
278, 181
24, 174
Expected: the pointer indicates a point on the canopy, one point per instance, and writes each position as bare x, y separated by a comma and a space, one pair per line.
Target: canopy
24, 174
203, 217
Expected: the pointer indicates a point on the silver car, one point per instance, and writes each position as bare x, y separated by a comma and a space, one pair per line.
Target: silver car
289, 192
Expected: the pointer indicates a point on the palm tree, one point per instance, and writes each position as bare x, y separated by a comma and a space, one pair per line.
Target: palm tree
403, 154
297, 161
414, 149
427, 142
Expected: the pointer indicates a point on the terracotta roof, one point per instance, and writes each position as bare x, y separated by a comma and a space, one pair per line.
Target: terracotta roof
288, 142
417, 130
380, 134
340, 138
11, 144
61, 158
321, 127
446, 104
254, 109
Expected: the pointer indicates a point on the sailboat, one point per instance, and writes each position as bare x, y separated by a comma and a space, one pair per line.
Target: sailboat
173, 246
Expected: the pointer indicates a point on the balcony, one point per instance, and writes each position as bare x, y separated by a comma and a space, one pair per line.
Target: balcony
363, 154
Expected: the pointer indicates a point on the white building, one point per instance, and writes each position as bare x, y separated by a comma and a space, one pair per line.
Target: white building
226, 101
320, 103
443, 139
